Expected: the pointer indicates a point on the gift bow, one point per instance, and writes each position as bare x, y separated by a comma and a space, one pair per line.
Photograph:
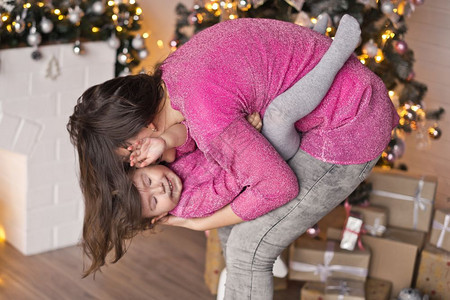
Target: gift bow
419, 202
443, 228
325, 270
376, 228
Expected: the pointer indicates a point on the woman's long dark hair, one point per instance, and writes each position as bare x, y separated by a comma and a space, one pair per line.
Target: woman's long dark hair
104, 118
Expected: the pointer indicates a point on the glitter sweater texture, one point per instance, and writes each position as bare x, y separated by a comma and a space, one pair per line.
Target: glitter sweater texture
238, 67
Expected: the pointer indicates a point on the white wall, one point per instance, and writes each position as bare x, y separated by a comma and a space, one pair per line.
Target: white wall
41, 206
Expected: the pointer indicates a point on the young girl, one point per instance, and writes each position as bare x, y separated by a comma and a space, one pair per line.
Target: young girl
206, 186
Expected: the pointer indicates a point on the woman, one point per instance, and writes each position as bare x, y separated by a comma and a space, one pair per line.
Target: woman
221, 75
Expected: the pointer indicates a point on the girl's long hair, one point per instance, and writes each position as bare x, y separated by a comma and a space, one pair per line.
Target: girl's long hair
104, 118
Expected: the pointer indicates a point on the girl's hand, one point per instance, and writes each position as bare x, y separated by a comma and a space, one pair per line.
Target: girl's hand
146, 151
255, 120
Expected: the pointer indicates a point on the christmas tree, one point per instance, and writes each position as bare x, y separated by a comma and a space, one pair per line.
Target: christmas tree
34, 23
382, 49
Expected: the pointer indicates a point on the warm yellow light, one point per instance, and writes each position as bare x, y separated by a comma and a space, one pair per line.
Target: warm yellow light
41, 4
60, 17
56, 11
230, 5
27, 5
160, 44
232, 17
110, 3
391, 94
145, 35
2, 234
132, 2
379, 57
114, 17
363, 61
215, 6
4, 18
9, 28
119, 28
313, 20
329, 29
138, 11
95, 29
394, 10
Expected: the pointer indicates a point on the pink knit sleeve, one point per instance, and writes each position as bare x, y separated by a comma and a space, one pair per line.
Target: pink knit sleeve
246, 155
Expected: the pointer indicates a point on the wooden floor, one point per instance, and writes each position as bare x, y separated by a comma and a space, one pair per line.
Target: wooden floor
168, 265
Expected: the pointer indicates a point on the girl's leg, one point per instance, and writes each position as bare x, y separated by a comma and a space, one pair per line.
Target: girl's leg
304, 96
253, 246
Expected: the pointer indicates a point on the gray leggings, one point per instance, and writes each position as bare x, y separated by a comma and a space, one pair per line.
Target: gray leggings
251, 247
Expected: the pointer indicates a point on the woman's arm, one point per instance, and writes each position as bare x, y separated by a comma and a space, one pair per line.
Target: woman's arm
221, 218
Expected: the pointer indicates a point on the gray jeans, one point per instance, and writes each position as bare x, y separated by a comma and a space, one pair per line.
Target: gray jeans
251, 248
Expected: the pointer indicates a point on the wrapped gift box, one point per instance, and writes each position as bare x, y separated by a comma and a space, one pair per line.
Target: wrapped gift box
312, 260
374, 218
408, 198
393, 257
440, 231
215, 262
344, 289
375, 289
378, 289
313, 290
434, 273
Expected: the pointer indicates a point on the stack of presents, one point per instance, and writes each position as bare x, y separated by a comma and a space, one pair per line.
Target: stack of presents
395, 245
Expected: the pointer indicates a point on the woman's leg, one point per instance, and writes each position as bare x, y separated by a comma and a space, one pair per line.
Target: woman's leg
252, 247
306, 94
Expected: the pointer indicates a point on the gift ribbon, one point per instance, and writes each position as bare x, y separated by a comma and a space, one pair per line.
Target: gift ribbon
419, 202
325, 270
443, 228
343, 289
348, 208
376, 228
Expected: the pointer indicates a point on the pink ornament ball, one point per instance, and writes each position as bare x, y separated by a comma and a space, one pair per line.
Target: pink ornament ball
400, 47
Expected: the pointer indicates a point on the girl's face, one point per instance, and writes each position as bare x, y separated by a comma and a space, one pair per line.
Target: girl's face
159, 188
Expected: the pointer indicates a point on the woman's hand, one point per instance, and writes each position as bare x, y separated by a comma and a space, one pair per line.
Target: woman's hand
255, 120
223, 217
147, 151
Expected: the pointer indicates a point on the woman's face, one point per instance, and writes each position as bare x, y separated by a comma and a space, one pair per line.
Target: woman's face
159, 188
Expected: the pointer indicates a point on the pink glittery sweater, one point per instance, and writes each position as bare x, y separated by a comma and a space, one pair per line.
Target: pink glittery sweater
238, 67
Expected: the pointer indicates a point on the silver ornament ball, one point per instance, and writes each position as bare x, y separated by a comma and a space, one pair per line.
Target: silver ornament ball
34, 38
98, 7
138, 42
370, 48
387, 7
114, 41
143, 54
123, 58
46, 25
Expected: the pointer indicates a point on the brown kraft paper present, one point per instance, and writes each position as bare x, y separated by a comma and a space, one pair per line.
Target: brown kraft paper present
440, 230
312, 260
378, 289
434, 273
375, 289
374, 218
344, 289
312, 290
409, 198
393, 257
